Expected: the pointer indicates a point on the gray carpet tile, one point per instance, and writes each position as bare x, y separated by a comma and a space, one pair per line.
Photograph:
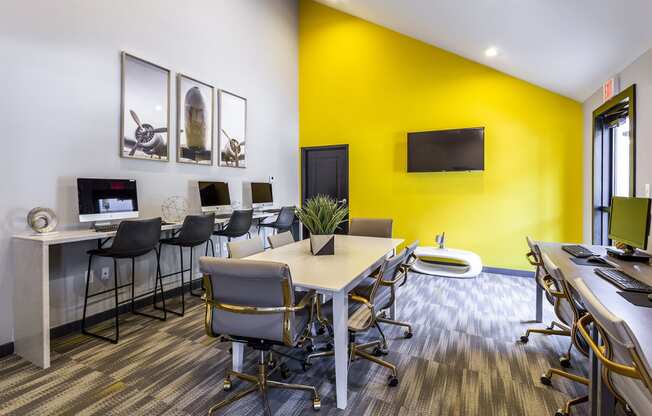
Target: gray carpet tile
462, 360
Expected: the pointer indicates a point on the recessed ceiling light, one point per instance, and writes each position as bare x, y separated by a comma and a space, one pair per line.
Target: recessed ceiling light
491, 52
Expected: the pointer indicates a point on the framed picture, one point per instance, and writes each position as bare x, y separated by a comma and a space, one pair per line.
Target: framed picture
145, 110
195, 114
232, 111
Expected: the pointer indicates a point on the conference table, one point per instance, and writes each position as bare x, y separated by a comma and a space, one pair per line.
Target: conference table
639, 318
335, 275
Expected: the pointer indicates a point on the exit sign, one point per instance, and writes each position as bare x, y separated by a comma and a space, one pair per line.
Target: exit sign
609, 89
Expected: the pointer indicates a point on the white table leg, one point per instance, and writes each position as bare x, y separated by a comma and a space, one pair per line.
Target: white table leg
32, 301
341, 335
237, 356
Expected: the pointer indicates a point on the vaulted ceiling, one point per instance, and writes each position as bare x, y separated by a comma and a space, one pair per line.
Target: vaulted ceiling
566, 46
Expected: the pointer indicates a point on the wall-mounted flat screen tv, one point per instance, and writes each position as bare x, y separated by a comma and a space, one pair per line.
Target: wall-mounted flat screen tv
446, 150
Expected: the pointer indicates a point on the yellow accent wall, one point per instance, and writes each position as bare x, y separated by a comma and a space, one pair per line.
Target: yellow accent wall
365, 85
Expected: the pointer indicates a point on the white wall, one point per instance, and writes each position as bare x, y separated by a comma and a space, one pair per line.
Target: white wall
639, 73
60, 110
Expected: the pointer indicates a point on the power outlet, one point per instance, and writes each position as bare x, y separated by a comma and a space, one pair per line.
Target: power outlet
89, 276
105, 273
647, 190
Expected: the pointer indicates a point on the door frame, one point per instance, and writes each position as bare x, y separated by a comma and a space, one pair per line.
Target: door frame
304, 173
597, 136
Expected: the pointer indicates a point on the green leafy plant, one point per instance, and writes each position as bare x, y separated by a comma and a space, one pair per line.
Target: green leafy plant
322, 214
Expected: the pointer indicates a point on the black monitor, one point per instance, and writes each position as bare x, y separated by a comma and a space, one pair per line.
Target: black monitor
106, 199
214, 195
261, 193
629, 222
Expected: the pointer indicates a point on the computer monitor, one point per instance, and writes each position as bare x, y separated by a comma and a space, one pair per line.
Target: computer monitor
214, 195
103, 200
261, 194
630, 222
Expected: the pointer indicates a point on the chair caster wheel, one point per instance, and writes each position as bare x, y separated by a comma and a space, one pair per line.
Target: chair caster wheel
271, 364
408, 335
525, 339
560, 413
321, 330
231, 350
310, 349
329, 347
393, 381
378, 352
305, 365
285, 371
545, 380
227, 385
565, 362
316, 404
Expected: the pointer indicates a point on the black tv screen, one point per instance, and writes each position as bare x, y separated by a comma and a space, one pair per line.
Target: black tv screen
446, 150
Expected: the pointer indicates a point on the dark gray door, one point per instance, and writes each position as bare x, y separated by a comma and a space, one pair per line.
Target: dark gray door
325, 170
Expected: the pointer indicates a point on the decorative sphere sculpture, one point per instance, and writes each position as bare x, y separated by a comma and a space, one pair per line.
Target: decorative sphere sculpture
174, 209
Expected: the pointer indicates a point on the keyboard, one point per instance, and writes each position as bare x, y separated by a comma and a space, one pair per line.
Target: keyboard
578, 251
623, 280
106, 228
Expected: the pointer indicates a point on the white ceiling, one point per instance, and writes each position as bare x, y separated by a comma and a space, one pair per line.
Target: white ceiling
567, 46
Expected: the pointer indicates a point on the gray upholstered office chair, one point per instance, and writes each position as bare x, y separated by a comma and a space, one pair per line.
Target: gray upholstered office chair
371, 227
254, 302
365, 317
568, 308
627, 371
280, 239
386, 298
244, 248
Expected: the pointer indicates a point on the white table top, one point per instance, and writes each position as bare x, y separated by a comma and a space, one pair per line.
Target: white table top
354, 256
71, 236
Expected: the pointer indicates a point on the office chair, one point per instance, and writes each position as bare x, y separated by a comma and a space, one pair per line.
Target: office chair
132, 239
253, 302
283, 222
238, 225
533, 257
626, 369
280, 239
567, 310
387, 298
371, 227
364, 317
244, 248
195, 231
570, 311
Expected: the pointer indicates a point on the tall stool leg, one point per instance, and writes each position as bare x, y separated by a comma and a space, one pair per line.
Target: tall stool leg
160, 279
133, 284
88, 280
117, 306
191, 275
183, 283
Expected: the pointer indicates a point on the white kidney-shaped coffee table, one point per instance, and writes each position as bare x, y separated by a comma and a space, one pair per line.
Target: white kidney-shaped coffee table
448, 262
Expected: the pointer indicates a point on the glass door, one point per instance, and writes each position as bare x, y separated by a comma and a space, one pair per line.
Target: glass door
614, 158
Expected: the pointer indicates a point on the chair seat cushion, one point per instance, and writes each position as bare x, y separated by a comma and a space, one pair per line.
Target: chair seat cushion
175, 241
109, 252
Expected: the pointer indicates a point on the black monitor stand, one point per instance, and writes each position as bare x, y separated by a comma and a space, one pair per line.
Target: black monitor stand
629, 254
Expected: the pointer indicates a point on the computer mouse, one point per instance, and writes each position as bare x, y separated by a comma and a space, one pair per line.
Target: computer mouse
595, 259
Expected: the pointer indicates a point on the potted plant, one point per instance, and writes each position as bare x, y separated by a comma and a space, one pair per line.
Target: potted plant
321, 215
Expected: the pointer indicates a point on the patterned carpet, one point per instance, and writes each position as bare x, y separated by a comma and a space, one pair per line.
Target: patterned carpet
462, 360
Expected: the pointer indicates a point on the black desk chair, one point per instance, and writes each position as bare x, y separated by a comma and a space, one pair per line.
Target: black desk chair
133, 239
283, 222
195, 231
238, 225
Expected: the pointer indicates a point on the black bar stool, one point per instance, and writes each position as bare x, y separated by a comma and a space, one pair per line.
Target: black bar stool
283, 222
238, 225
195, 231
132, 239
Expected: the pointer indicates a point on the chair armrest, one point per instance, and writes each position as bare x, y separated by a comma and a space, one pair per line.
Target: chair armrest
599, 351
262, 310
394, 281
531, 258
360, 299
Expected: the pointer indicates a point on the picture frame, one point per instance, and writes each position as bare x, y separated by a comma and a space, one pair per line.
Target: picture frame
232, 130
195, 121
144, 110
